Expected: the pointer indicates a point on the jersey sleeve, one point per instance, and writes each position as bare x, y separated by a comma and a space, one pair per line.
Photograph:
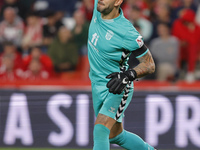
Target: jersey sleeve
95, 8
133, 42
95, 4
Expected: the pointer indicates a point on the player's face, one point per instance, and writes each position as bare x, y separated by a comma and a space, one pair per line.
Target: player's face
105, 6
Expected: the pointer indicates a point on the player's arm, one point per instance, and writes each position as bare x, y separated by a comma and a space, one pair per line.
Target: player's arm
133, 42
146, 65
95, 4
119, 80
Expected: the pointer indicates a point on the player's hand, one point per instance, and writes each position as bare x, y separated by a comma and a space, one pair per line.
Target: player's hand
119, 80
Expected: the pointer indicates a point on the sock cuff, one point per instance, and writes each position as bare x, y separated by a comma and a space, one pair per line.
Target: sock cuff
102, 127
101, 132
101, 137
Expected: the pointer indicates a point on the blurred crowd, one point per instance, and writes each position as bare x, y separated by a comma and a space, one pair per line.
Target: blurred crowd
41, 39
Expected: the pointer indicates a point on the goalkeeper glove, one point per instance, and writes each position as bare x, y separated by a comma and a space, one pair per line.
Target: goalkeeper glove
119, 80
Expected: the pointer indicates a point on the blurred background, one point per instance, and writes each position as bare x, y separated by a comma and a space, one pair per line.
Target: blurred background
45, 94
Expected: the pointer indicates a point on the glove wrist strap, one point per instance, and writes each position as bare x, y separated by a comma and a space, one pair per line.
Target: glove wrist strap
131, 74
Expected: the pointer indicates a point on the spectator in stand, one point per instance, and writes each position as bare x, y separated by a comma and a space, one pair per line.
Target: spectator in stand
10, 49
33, 32
126, 6
189, 4
27, 5
36, 71
1, 3
144, 6
167, 5
188, 33
50, 30
185, 4
11, 28
63, 51
165, 50
197, 19
8, 71
86, 8
19, 8
197, 2
80, 32
59, 15
145, 25
162, 14
175, 4
44, 59
67, 6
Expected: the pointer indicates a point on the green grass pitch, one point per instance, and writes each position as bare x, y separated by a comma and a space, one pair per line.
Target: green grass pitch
55, 149
44, 149
40, 149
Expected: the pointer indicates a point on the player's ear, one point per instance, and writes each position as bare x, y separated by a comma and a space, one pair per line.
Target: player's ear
118, 2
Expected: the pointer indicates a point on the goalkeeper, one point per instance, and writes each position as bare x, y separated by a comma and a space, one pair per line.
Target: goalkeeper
112, 38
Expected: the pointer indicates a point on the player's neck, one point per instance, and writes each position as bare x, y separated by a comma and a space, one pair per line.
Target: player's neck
113, 14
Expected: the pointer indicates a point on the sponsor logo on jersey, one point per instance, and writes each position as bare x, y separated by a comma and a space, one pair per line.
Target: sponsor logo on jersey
139, 41
109, 35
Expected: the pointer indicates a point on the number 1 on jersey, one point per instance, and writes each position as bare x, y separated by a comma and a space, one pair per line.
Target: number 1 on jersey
95, 38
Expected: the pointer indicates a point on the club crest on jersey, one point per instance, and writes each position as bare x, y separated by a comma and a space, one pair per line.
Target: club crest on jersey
139, 41
109, 35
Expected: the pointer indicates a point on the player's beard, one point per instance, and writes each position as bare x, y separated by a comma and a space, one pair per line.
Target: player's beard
105, 9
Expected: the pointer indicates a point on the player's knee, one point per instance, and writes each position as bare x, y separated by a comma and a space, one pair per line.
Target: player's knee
101, 132
105, 121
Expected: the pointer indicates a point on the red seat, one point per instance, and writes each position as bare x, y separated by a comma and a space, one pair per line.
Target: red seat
81, 72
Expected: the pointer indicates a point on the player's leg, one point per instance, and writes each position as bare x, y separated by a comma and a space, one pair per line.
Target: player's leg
109, 108
103, 125
127, 139
116, 130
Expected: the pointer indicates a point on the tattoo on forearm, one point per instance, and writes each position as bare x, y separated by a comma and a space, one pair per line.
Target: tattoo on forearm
146, 65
